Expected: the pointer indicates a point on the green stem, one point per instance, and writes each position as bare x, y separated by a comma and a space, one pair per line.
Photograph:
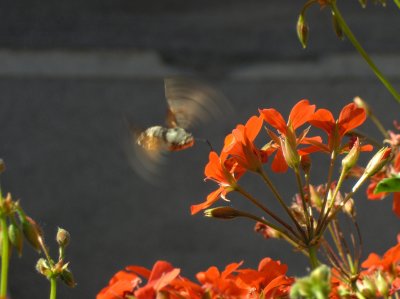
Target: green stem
312, 252
53, 287
266, 210
347, 31
4, 258
282, 203
303, 201
4, 253
328, 187
285, 234
379, 125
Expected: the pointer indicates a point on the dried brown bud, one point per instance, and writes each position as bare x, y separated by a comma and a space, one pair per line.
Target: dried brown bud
2, 166
32, 232
222, 213
67, 277
63, 237
266, 231
302, 30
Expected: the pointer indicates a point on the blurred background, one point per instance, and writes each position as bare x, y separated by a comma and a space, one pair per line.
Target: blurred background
71, 71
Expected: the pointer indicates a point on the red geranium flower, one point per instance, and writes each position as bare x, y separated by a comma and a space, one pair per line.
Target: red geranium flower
350, 118
240, 145
299, 115
269, 281
164, 279
223, 170
388, 263
120, 286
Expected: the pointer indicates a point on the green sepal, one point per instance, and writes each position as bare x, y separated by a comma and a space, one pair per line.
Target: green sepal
397, 2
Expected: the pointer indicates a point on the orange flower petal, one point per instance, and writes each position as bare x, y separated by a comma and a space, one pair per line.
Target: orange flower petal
279, 164
301, 113
253, 127
324, 120
350, 117
211, 199
275, 119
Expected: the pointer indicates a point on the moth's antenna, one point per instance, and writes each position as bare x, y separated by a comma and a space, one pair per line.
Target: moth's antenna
206, 141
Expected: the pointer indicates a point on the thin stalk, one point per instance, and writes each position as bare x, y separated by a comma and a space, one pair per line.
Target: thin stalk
347, 31
310, 210
336, 242
303, 201
331, 204
53, 287
266, 210
379, 125
285, 234
4, 253
282, 203
312, 251
4, 258
328, 186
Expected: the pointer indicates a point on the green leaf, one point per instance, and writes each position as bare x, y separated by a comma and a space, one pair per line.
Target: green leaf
389, 185
397, 2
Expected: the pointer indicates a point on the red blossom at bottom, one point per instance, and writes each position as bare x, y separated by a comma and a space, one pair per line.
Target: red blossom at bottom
268, 281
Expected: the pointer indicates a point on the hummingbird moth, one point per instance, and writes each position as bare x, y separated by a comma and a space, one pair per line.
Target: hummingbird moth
189, 103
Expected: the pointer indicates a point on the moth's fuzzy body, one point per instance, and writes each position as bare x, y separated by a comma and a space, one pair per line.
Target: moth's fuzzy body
172, 139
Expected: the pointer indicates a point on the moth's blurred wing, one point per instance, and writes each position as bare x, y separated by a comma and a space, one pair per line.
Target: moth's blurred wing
191, 102
147, 157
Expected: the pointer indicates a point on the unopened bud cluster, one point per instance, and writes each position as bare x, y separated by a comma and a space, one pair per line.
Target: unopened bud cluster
316, 285
59, 269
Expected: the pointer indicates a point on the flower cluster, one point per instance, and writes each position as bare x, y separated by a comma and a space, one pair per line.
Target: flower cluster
165, 281
240, 154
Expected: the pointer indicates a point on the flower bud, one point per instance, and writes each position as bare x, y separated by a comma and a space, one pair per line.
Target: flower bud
316, 198
63, 237
2, 166
266, 231
379, 160
322, 273
67, 277
222, 213
15, 236
366, 287
305, 163
352, 157
43, 267
349, 208
316, 285
302, 30
381, 285
32, 232
362, 104
289, 151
